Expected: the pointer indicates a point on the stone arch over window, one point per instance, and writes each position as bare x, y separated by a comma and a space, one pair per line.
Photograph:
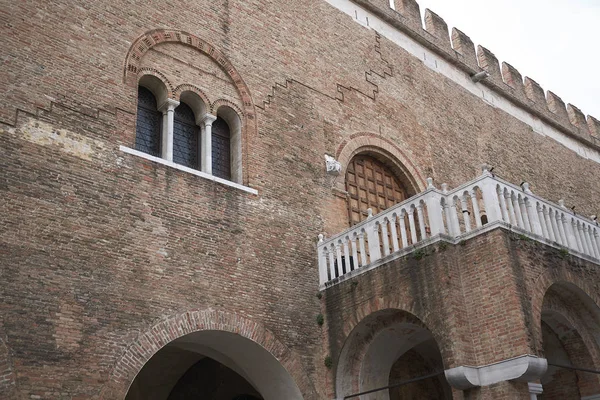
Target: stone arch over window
247, 124
228, 338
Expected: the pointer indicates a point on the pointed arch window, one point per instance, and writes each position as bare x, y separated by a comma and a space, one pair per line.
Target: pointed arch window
148, 125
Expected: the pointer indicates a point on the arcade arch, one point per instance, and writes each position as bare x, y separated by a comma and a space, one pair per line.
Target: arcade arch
570, 328
387, 347
212, 364
244, 354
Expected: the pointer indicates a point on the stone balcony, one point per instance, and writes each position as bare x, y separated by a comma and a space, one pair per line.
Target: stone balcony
478, 206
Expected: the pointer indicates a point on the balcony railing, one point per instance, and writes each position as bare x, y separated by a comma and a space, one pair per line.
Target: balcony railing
454, 215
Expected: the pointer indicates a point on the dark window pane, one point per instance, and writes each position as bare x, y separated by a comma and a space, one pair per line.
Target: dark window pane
185, 137
221, 152
149, 120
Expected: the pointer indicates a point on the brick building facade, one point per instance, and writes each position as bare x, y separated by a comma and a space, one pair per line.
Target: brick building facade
164, 185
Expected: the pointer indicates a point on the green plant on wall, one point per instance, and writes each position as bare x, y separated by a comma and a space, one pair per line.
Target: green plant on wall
320, 319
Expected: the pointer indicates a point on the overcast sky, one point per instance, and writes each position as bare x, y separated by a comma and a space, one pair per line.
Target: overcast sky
554, 42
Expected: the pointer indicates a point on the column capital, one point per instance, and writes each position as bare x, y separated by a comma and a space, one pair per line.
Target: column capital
168, 105
206, 119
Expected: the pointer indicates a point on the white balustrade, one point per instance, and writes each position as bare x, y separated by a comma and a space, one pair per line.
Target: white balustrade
453, 214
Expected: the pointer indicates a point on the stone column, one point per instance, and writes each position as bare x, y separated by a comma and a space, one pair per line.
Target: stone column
534, 390
168, 111
206, 143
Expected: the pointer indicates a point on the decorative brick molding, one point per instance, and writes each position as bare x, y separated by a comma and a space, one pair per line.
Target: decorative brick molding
186, 87
152, 38
366, 142
214, 108
159, 75
174, 327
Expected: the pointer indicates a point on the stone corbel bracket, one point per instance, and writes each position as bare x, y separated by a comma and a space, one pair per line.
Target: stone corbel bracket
524, 368
332, 166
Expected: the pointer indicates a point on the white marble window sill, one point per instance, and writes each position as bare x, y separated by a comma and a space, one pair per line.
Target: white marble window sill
188, 170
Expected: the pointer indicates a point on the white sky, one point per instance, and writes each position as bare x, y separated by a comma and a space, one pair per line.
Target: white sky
554, 42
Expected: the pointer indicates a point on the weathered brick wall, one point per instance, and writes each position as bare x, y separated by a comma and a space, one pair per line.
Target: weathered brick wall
410, 366
97, 246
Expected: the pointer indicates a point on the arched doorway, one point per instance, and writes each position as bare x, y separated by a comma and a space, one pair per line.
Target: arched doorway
371, 183
570, 334
389, 347
214, 365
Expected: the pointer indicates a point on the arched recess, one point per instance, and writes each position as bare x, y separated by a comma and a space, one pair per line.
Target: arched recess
157, 83
194, 97
561, 277
376, 175
385, 150
242, 345
152, 38
570, 331
386, 347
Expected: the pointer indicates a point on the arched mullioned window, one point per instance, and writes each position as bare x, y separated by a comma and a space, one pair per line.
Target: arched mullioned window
186, 148
149, 120
221, 149
185, 132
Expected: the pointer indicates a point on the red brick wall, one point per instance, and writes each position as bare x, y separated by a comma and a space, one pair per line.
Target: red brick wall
97, 246
411, 365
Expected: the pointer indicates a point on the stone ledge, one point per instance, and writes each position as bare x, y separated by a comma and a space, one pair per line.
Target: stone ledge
188, 170
524, 368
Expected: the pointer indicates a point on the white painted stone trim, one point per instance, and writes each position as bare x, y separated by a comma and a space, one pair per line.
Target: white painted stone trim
523, 368
448, 239
206, 140
168, 110
438, 64
332, 166
534, 390
188, 170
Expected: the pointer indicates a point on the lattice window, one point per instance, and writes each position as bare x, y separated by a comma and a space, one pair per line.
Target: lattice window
371, 184
221, 149
149, 120
185, 137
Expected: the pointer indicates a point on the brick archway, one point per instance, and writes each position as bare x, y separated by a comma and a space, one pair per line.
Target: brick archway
541, 287
376, 341
150, 342
152, 38
371, 143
